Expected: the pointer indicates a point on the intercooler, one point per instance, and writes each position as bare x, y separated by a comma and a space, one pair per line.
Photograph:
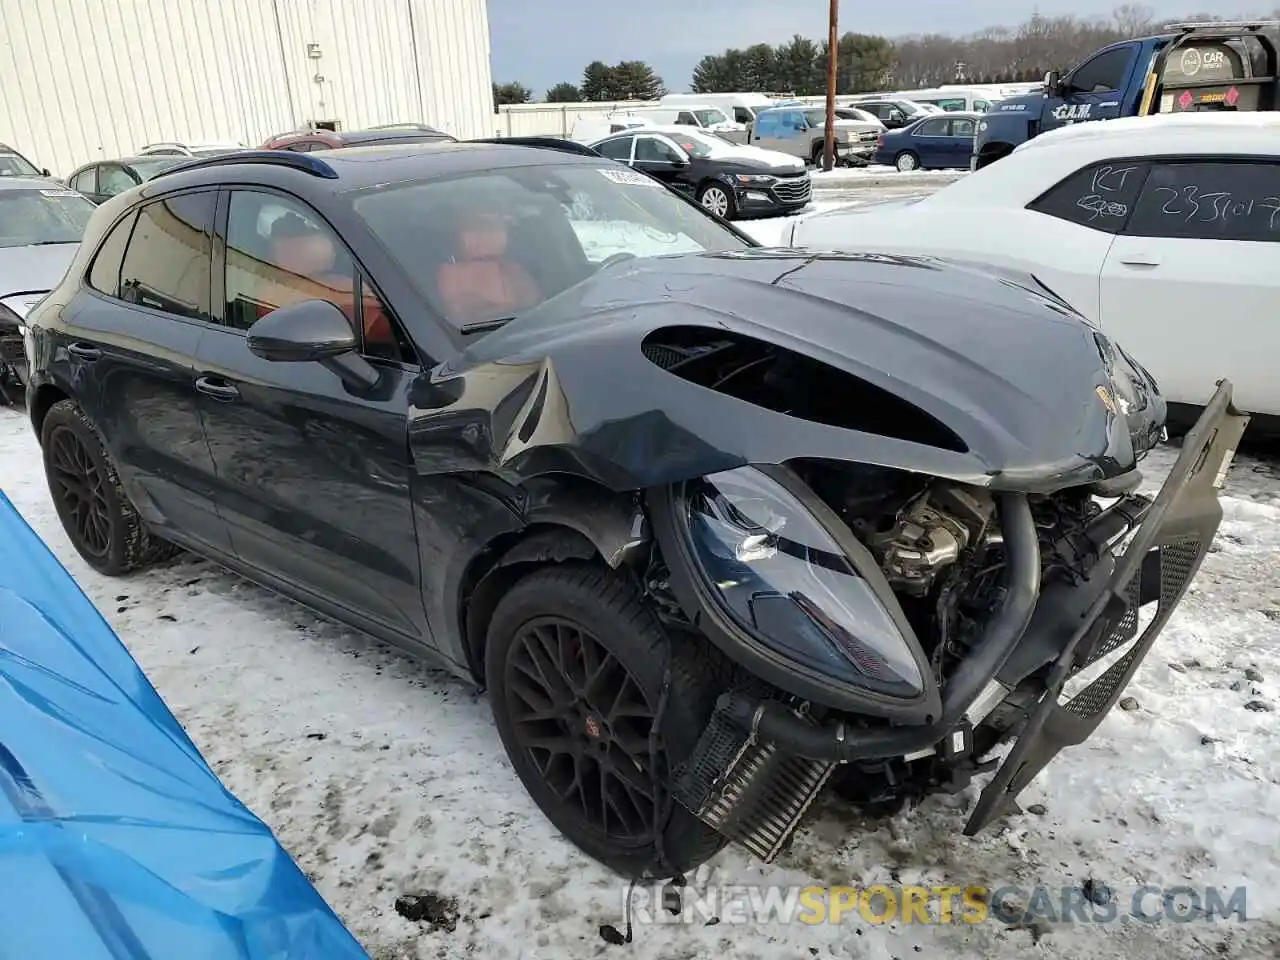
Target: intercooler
744, 788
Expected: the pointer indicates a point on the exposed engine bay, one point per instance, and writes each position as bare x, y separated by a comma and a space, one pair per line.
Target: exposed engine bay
940, 546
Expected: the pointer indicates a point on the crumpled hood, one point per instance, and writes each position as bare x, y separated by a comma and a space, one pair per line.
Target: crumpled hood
1011, 371
120, 839
31, 270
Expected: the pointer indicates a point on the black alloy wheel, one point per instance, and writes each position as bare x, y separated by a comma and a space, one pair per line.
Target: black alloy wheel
575, 663
586, 724
79, 493
102, 524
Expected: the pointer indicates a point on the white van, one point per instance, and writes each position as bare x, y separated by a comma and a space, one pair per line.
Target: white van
588, 130
741, 107
700, 114
953, 99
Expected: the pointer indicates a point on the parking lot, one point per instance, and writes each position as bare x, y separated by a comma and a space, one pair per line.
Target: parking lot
385, 780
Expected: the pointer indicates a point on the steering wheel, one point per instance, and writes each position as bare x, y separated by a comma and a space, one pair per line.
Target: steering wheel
619, 257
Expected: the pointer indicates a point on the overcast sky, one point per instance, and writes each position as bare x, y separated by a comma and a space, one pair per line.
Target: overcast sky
541, 42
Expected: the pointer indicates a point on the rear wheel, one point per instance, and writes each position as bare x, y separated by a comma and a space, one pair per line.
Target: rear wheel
907, 161
574, 663
102, 524
718, 198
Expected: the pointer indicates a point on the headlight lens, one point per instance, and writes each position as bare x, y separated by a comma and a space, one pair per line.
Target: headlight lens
790, 586
754, 178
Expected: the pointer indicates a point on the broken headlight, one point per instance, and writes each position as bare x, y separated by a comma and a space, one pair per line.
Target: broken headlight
785, 581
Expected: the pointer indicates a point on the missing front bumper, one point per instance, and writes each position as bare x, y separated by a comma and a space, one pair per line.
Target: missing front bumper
1159, 562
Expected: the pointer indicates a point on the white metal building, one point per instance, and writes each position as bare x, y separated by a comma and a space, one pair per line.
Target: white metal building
89, 79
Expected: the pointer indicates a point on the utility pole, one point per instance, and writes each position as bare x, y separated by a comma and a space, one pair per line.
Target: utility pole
833, 54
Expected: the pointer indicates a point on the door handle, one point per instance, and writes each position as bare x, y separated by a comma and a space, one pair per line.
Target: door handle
1140, 260
84, 351
218, 389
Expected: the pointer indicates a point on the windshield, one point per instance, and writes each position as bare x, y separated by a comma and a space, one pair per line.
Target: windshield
491, 244
710, 116
31, 217
150, 166
12, 165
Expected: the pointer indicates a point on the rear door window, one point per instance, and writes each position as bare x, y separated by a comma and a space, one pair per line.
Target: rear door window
104, 273
619, 148
168, 262
1213, 200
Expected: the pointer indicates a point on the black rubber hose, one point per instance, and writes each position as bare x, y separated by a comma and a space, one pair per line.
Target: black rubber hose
774, 721
1022, 582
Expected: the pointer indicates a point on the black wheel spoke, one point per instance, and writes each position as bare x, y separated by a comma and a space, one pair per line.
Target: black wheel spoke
79, 491
584, 721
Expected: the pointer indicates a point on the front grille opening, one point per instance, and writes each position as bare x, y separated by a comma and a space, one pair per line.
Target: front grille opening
783, 381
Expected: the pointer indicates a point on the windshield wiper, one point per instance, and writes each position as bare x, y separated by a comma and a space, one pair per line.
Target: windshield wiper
484, 326
48, 243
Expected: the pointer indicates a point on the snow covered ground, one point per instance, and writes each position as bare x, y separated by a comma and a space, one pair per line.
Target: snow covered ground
386, 780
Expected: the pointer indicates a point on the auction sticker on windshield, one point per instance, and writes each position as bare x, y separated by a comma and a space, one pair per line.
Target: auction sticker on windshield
630, 177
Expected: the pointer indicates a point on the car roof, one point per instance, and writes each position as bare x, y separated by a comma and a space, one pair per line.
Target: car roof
669, 129
389, 134
139, 158
1149, 134
359, 167
1038, 164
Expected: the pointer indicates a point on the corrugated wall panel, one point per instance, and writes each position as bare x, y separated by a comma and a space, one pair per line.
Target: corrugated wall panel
86, 79
452, 41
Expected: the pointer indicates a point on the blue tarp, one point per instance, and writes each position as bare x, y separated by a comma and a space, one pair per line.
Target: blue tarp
117, 842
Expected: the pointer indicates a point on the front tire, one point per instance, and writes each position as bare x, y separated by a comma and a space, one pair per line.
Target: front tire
719, 199
96, 514
574, 662
907, 161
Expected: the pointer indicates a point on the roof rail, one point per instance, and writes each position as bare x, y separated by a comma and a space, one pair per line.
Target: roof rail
1254, 25
544, 143
280, 158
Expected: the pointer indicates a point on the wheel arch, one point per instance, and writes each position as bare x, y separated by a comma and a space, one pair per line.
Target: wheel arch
572, 520
46, 395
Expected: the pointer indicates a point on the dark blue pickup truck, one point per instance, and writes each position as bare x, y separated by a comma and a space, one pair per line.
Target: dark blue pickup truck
1219, 65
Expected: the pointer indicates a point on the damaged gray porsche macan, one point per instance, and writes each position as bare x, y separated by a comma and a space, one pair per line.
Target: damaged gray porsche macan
718, 530
884, 508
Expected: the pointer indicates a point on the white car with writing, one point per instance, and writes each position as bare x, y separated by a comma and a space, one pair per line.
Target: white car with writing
1163, 230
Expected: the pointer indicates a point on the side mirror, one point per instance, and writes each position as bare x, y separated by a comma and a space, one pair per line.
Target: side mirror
313, 331
1052, 83
45, 172
895, 116
307, 331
